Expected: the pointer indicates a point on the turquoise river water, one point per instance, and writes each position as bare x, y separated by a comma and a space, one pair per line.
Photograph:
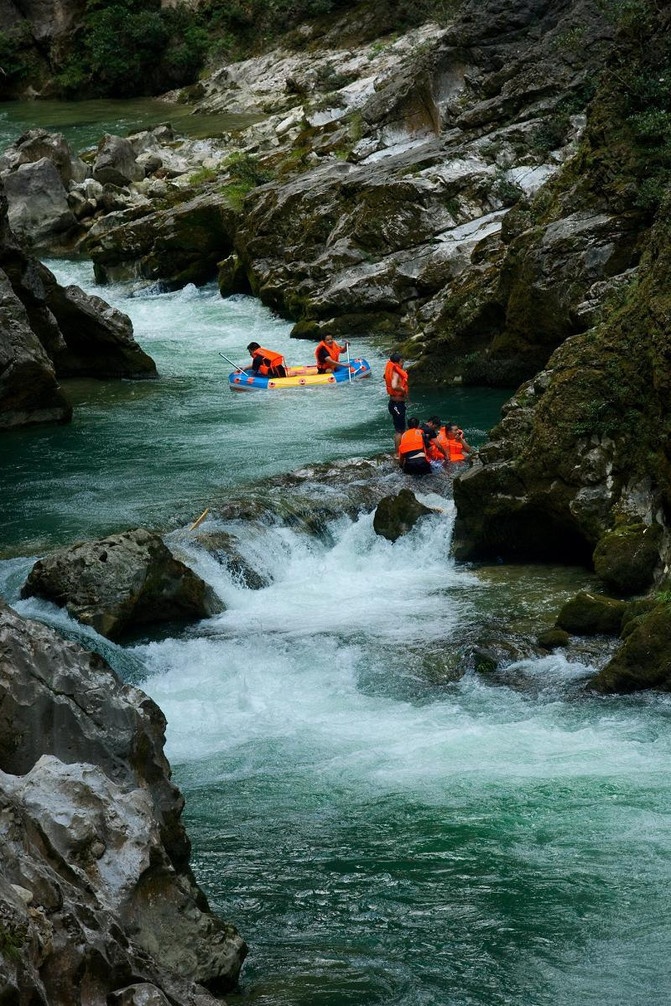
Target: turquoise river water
377, 835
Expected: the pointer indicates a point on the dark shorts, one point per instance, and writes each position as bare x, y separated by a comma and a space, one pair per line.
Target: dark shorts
397, 413
417, 466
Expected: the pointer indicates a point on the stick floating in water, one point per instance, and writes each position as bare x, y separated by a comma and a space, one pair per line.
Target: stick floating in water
199, 520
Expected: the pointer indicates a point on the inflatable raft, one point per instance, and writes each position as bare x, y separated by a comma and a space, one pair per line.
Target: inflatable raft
299, 377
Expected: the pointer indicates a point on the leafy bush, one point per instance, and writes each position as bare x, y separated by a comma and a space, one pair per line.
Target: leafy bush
132, 47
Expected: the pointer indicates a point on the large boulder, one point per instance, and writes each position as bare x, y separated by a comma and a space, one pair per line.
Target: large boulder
96, 893
644, 659
122, 582
38, 203
177, 246
626, 557
29, 391
592, 614
116, 162
396, 515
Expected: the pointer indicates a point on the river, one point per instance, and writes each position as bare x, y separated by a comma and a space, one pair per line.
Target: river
378, 833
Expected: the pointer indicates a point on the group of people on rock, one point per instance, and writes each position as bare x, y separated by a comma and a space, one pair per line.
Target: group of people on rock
268, 363
421, 448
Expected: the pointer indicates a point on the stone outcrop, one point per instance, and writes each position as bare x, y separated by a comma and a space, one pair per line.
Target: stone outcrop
644, 659
96, 894
397, 515
578, 468
122, 582
48, 332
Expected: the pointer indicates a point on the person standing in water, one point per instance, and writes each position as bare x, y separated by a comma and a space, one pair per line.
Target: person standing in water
396, 380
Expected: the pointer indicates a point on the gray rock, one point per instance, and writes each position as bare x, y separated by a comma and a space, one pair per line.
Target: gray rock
395, 516
116, 162
121, 582
29, 392
38, 203
95, 889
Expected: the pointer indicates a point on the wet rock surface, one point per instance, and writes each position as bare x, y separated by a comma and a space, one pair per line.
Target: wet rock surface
122, 582
95, 889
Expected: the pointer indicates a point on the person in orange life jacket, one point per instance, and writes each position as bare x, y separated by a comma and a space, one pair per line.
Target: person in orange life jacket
412, 450
327, 354
266, 362
396, 380
455, 443
436, 451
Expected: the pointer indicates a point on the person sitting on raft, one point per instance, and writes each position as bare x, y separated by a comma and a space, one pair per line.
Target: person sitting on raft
266, 362
327, 355
412, 449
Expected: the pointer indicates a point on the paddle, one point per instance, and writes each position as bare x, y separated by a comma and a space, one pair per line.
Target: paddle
199, 520
349, 371
239, 369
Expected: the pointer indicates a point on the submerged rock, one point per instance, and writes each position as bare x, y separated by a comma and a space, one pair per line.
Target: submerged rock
121, 582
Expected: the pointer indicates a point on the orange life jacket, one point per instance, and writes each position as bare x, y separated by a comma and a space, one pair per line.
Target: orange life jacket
273, 360
456, 448
442, 438
333, 350
389, 371
432, 452
412, 440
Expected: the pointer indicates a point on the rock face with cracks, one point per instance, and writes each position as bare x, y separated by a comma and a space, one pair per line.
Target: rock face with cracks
96, 894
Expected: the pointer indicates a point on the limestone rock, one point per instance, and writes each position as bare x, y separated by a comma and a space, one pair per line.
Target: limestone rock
38, 204
396, 515
95, 889
29, 392
182, 245
121, 582
116, 162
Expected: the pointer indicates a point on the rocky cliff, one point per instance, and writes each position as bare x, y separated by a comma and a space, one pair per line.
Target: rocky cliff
48, 331
97, 901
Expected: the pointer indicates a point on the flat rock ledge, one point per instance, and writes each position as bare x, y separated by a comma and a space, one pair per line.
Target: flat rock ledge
97, 900
121, 582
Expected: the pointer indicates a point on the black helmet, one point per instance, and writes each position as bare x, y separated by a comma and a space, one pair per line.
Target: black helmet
395, 357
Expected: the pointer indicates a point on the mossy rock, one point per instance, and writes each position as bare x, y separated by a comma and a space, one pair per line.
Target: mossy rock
591, 615
232, 276
625, 559
644, 659
396, 515
552, 639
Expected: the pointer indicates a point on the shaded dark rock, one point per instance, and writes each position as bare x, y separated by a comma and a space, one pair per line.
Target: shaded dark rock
120, 582
29, 392
626, 558
176, 246
644, 659
591, 614
396, 515
553, 639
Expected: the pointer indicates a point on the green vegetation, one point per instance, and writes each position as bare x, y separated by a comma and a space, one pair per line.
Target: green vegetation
245, 174
134, 47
